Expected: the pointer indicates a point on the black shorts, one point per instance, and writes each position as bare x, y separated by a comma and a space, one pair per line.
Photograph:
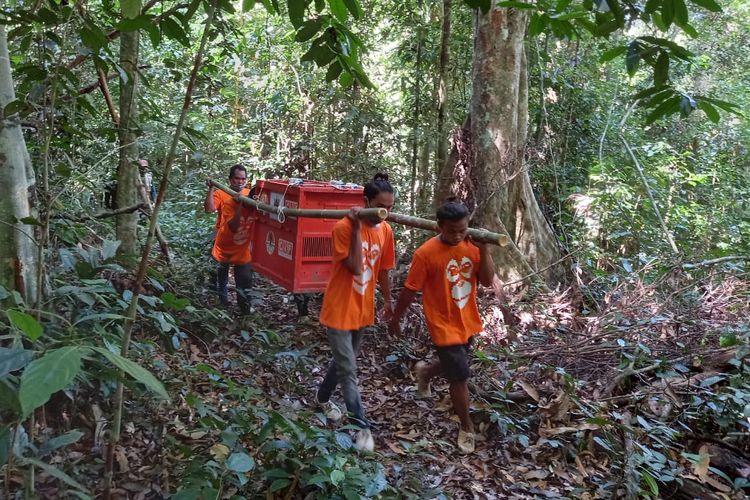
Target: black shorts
454, 360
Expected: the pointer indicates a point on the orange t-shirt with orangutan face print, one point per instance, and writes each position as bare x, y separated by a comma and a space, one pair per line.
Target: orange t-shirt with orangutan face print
447, 276
232, 247
349, 301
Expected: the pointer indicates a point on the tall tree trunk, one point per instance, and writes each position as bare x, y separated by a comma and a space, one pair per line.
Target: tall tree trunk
417, 109
18, 256
127, 170
499, 119
441, 141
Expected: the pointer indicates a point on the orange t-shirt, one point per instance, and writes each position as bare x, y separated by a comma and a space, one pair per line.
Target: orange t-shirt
447, 276
349, 301
230, 247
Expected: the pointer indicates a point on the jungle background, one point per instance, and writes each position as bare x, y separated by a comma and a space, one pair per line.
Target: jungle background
607, 138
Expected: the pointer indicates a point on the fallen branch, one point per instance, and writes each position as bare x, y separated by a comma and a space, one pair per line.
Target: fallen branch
719, 260
119, 211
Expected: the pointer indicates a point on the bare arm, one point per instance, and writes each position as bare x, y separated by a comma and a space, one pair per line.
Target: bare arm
486, 273
353, 261
384, 280
208, 203
405, 298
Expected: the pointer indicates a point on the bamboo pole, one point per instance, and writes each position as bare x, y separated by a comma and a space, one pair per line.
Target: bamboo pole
479, 235
380, 213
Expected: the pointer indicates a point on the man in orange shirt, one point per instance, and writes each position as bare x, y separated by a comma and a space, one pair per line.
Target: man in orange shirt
446, 269
363, 251
234, 224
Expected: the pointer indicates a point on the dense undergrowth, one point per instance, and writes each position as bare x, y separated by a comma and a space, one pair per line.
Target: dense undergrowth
637, 386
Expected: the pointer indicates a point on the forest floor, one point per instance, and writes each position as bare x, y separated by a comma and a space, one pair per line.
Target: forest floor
647, 397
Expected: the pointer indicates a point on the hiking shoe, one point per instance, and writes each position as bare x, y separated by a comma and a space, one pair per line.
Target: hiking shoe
330, 410
363, 440
423, 385
465, 441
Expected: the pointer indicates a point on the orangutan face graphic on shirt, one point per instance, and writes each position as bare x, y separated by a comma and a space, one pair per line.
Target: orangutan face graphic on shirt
370, 256
459, 276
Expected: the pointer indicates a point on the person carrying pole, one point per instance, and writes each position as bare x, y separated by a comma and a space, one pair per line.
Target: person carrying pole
234, 223
446, 269
363, 252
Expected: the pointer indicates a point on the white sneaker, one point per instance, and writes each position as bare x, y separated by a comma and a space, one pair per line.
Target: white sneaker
330, 410
363, 440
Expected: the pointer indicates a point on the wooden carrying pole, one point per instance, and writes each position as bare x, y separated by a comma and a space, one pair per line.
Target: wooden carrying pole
380, 213
479, 235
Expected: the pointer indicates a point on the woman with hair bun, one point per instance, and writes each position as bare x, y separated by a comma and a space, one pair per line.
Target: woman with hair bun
363, 252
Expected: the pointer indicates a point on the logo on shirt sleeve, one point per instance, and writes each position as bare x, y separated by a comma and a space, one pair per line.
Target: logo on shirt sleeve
459, 276
370, 256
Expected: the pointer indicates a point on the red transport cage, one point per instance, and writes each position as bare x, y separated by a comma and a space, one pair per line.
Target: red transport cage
295, 253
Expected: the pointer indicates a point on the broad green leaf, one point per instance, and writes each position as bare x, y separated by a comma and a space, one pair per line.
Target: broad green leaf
130, 8
136, 371
537, 24
309, 29
12, 359
44, 376
240, 462
337, 476
607, 27
296, 9
711, 112
339, 10
726, 106
668, 12
279, 484
652, 6
653, 486
334, 70
346, 79
320, 5
612, 53
25, 323
61, 441
354, 7
661, 69
135, 23
13, 107
271, 6
708, 5
173, 30
247, 5
633, 59
666, 108
517, 5
680, 12
479, 4
9, 396
56, 473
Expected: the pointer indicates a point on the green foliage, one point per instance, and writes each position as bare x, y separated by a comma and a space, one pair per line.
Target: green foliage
287, 452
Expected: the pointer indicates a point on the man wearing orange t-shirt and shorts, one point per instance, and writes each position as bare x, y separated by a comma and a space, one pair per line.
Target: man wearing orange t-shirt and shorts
363, 252
446, 269
234, 224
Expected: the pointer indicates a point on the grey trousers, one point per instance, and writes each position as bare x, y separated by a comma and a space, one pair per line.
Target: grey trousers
345, 345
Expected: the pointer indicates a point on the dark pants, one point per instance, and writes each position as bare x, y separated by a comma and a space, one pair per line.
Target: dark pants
243, 279
345, 345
